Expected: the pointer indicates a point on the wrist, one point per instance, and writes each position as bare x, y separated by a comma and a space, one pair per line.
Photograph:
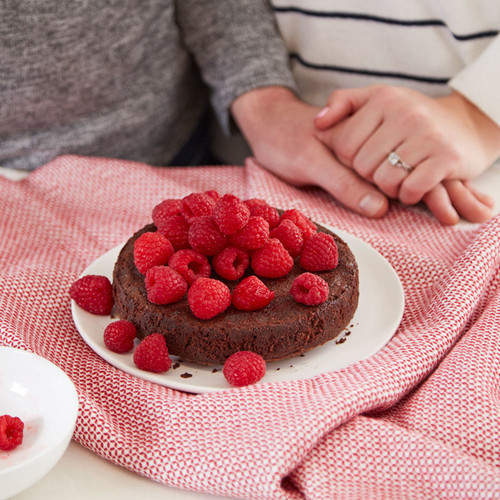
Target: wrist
253, 108
479, 122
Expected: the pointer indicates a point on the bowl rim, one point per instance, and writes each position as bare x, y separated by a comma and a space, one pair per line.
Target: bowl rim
68, 429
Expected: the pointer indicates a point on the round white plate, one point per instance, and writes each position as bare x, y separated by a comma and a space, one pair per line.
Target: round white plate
379, 313
45, 399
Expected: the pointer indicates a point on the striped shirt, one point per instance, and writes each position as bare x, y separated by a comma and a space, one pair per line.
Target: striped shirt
429, 45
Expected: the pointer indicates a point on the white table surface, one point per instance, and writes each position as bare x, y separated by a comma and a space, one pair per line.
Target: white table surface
82, 475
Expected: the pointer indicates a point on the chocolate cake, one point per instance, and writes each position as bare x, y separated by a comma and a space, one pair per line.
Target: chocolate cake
281, 330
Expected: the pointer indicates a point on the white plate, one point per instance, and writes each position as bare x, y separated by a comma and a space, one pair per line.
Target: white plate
45, 399
380, 309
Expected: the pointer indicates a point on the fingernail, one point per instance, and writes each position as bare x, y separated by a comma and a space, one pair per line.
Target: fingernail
323, 112
371, 204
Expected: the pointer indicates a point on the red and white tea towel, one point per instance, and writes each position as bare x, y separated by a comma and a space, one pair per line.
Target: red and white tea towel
420, 419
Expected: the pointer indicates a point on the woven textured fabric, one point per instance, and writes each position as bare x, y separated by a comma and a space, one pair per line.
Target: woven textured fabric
419, 419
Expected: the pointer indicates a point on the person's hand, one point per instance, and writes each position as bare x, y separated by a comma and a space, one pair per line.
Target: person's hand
455, 198
438, 140
279, 129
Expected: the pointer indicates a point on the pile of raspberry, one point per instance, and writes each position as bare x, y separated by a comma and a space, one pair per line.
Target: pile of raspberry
205, 232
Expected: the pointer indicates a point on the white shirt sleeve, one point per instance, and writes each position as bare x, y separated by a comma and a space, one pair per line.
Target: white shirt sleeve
480, 81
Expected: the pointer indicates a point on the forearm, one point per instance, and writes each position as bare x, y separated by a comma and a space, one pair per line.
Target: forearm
236, 46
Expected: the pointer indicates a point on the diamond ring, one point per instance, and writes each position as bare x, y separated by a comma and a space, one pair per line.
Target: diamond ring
395, 159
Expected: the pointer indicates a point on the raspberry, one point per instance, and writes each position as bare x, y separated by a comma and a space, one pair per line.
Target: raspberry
251, 294
151, 249
152, 354
272, 260
320, 253
290, 235
204, 236
231, 263
231, 214
309, 289
164, 285
244, 368
175, 228
260, 208
190, 264
11, 432
93, 293
208, 298
213, 194
253, 235
306, 226
196, 205
165, 209
119, 336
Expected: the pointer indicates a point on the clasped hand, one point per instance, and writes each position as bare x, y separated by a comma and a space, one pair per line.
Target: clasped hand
445, 141
344, 148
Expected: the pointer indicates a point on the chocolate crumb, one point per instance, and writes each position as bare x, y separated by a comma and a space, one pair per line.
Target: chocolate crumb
186, 375
302, 355
215, 370
176, 365
347, 333
277, 369
341, 340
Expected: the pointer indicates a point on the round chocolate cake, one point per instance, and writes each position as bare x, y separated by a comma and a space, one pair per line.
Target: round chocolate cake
282, 329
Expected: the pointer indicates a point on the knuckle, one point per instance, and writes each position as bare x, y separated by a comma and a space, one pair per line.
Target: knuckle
389, 95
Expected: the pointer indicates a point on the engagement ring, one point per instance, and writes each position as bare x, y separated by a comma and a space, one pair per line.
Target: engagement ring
395, 159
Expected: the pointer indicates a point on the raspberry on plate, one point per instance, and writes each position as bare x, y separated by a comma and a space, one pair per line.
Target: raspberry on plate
251, 294
164, 285
307, 227
93, 293
197, 205
290, 235
190, 264
231, 263
152, 354
253, 235
212, 193
320, 253
165, 209
151, 249
244, 368
309, 289
119, 336
208, 298
261, 208
175, 229
204, 236
272, 260
11, 432
231, 214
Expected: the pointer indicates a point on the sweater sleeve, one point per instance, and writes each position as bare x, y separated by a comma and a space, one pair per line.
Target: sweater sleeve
237, 47
480, 81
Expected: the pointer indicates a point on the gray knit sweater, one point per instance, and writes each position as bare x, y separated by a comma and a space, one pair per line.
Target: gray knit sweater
126, 78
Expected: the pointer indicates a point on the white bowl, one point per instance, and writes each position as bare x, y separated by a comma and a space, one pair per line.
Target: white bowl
45, 399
